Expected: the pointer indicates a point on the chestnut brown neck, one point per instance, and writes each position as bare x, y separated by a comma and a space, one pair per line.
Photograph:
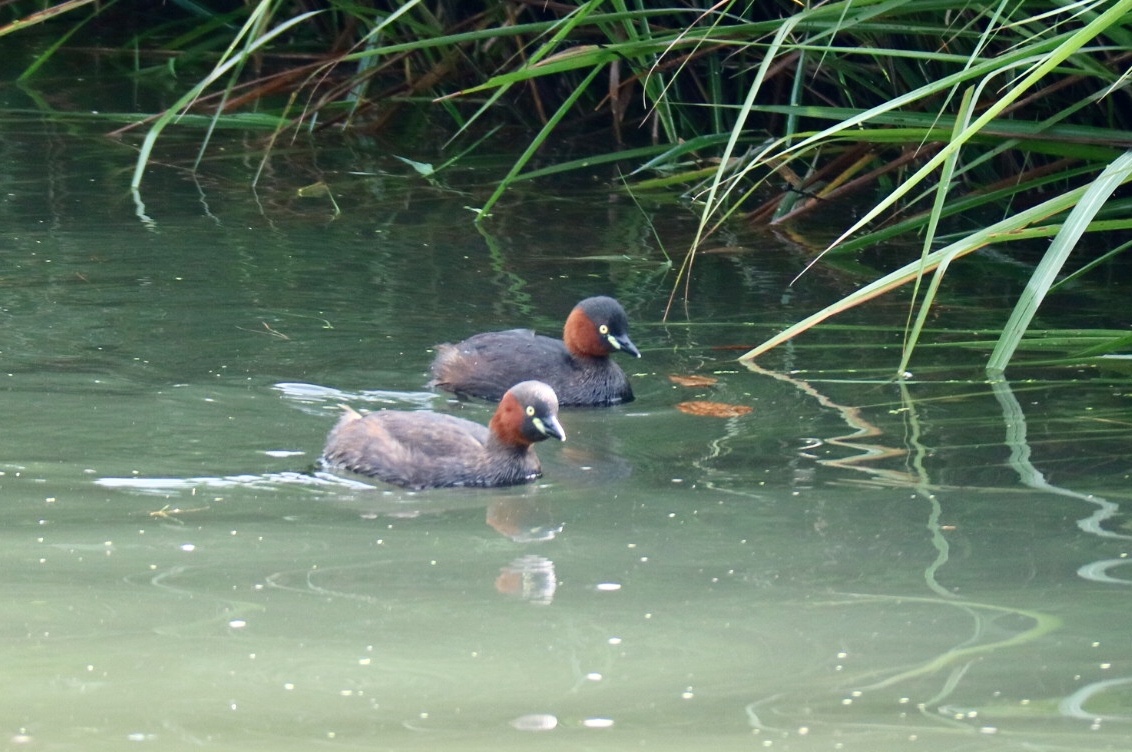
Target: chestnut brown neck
581, 336
507, 423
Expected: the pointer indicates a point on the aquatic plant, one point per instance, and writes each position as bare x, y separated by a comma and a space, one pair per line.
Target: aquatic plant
961, 124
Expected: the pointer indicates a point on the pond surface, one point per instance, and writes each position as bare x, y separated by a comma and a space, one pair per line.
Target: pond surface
856, 564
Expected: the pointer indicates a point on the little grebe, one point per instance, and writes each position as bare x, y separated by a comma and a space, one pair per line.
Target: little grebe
423, 449
577, 366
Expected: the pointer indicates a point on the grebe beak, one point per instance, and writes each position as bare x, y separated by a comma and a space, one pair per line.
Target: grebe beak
550, 427
623, 343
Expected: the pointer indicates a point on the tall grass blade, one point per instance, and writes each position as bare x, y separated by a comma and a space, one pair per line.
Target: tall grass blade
938, 206
540, 57
1011, 228
221, 69
1041, 65
536, 144
710, 201
1054, 259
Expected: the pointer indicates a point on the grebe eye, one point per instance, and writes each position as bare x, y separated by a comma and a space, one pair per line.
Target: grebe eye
603, 329
531, 410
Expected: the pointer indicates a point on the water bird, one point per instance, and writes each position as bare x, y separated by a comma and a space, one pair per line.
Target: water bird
424, 449
577, 367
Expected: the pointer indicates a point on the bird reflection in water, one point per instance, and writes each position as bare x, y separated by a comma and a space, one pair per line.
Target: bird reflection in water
524, 520
529, 577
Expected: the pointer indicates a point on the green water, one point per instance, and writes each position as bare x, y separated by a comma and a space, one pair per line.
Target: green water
854, 565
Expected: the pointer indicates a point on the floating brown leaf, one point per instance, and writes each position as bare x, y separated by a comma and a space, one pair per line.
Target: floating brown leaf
692, 380
713, 409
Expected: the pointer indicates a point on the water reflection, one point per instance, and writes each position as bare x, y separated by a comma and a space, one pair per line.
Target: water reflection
1031, 625
521, 519
1073, 706
530, 577
315, 398
1021, 453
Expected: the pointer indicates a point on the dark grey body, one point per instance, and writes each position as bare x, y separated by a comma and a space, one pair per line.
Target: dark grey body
485, 365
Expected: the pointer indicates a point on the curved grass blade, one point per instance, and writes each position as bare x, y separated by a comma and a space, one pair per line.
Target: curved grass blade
1076, 224
538, 59
1012, 228
536, 143
219, 71
1041, 66
711, 203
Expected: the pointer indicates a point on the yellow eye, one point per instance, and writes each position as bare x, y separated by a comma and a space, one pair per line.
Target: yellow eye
603, 329
531, 410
